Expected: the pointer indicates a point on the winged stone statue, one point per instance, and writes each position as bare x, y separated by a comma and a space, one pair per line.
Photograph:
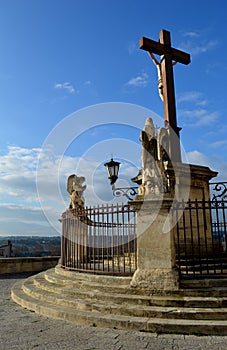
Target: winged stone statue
75, 189
154, 157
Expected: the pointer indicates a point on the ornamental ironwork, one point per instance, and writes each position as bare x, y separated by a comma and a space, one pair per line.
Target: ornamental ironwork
218, 191
128, 192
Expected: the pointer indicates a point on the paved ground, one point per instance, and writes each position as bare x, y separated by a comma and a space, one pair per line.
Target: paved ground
24, 330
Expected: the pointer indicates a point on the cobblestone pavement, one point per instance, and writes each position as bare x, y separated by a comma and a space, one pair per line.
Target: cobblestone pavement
24, 330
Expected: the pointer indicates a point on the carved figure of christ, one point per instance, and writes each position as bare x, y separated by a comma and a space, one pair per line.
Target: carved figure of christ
169, 56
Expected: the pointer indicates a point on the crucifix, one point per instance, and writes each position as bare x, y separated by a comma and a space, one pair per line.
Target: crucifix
169, 56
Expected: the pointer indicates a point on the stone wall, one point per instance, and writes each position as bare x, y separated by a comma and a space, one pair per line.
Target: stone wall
28, 264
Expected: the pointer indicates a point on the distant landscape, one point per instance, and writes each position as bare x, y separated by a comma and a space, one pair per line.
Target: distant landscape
33, 246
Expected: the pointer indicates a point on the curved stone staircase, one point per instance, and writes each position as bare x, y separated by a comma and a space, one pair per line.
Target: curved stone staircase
107, 301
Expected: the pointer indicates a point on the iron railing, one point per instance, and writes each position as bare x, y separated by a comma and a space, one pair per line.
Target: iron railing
218, 191
100, 239
201, 237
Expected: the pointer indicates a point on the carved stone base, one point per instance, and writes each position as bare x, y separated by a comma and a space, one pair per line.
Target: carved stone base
156, 280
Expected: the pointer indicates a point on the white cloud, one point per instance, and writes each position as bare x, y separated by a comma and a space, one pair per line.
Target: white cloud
19, 204
25, 220
191, 34
139, 81
196, 157
216, 68
204, 47
20, 209
132, 47
194, 109
214, 162
220, 143
197, 42
17, 171
88, 82
195, 97
198, 117
199, 48
65, 86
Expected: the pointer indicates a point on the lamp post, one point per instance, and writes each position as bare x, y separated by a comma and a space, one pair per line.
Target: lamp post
112, 169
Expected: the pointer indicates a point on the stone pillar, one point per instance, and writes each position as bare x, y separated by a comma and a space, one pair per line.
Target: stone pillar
155, 245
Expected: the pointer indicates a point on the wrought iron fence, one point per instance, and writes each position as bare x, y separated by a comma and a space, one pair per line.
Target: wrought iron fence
100, 239
201, 237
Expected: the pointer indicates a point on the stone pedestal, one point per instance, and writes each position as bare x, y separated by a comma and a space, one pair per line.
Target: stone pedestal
155, 233
190, 181
155, 245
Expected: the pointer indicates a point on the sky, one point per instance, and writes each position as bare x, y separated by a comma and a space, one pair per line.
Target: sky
75, 90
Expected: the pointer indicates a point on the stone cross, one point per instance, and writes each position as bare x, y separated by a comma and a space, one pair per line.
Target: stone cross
168, 56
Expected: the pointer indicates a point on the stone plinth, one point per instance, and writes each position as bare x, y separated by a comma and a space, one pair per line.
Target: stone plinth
155, 245
190, 181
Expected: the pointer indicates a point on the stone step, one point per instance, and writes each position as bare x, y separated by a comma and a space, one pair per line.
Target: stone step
127, 309
101, 278
97, 284
77, 316
188, 287
205, 283
85, 293
83, 317
30, 289
117, 298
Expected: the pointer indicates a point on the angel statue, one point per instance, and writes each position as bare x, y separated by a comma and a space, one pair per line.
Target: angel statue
154, 157
76, 188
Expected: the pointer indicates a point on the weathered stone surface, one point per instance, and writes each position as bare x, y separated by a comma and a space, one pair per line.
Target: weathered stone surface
155, 245
156, 279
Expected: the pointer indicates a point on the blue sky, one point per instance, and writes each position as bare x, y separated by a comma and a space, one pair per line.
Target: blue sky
61, 57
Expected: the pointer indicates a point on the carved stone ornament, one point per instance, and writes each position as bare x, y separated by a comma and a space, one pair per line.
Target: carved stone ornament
76, 188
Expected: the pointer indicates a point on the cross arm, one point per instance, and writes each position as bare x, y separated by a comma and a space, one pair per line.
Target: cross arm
151, 45
161, 49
